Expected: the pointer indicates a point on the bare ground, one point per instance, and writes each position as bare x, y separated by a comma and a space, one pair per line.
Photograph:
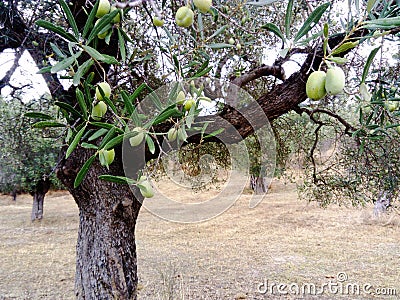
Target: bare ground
233, 256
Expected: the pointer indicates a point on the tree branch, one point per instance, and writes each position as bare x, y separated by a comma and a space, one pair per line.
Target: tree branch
349, 129
261, 71
7, 77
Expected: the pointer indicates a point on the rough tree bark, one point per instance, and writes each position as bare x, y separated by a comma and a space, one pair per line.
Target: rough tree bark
259, 185
106, 250
39, 192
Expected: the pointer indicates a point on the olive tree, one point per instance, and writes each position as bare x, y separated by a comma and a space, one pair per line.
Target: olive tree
28, 158
114, 58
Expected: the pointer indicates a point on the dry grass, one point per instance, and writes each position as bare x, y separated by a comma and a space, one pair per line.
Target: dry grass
282, 240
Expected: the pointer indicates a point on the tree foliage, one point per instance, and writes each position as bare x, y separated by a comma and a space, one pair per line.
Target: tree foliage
249, 44
26, 154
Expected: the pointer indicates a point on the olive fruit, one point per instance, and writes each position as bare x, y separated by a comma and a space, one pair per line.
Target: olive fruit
203, 5
172, 134
231, 41
158, 22
99, 110
189, 103
145, 187
182, 135
106, 157
180, 98
117, 17
138, 138
391, 105
102, 34
334, 81
315, 86
184, 16
106, 90
103, 9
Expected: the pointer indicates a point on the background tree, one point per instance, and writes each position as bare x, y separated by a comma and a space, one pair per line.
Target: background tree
135, 57
28, 158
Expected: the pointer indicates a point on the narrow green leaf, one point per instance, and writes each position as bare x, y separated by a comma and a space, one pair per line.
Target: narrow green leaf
75, 142
368, 63
93, 53
326, 30
62, 65
136, 119
45, 124
171, 38
110, 134
344, 47
176, 63
110, 103
114, 142
204, 65
56, 29
190, 116
121, 43
97, 134
338, 60
370, 5
128, 104
57, 50
214, 133
137, 92
220, 46
70, 17
89, 21
106, 126
68, 108
150, 144
384, 23
203, 72
98, 56
82, 104
38, 115
89, 146
104, 21
218, 32
82, 173
111, 60
126, 37
275, 29
215, 14
288, 18
82, 70
170, 111
117, 179
44, 70
311, 21
311, 38
325, 46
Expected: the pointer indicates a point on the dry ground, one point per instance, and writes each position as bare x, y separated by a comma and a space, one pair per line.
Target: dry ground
283, 240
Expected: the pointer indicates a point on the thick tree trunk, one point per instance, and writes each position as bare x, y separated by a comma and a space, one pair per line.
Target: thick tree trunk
14, 195
41, 188
37, 207
106, 250
259, 185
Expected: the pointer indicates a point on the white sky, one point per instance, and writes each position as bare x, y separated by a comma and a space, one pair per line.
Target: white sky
24, 74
